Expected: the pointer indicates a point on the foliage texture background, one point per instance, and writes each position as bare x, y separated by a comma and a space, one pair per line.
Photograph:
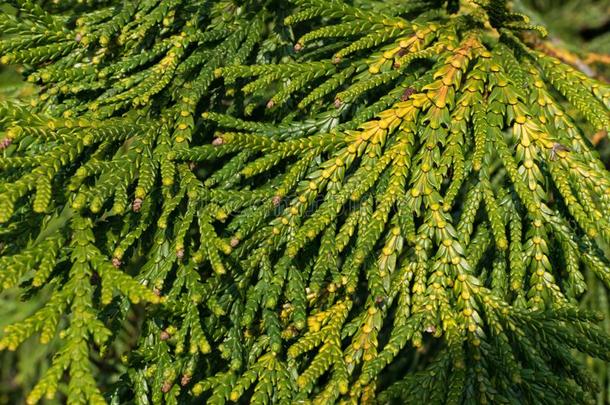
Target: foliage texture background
119, 187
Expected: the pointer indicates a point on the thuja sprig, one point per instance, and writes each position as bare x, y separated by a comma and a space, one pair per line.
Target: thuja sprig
87, 174
479, 119
398, 206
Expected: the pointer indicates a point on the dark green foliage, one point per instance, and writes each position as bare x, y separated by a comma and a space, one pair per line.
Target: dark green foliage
313, 201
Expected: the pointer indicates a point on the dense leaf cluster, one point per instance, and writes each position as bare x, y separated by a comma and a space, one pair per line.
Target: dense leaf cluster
314, 201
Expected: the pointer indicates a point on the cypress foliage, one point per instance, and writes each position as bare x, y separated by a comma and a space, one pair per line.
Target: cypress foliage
307, 201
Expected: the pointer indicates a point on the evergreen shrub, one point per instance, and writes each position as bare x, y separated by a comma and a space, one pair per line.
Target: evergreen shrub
305, 201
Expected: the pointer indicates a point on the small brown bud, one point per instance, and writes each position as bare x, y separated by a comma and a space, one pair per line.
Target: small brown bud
276, 200
595, 140
338, 103
185, 380
116, 262
5, 143
270, 104
167, 385
409, 91
164, 335
430, 329
180, 254
137, 205
156, 291
234, 242
218, 141
298, 47
336, 60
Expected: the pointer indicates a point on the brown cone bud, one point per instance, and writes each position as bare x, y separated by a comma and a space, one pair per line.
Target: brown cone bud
5, 143
185, 380
409, 91
137, 204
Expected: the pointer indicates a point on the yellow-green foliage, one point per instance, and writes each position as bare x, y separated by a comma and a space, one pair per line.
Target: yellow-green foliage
310, 201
